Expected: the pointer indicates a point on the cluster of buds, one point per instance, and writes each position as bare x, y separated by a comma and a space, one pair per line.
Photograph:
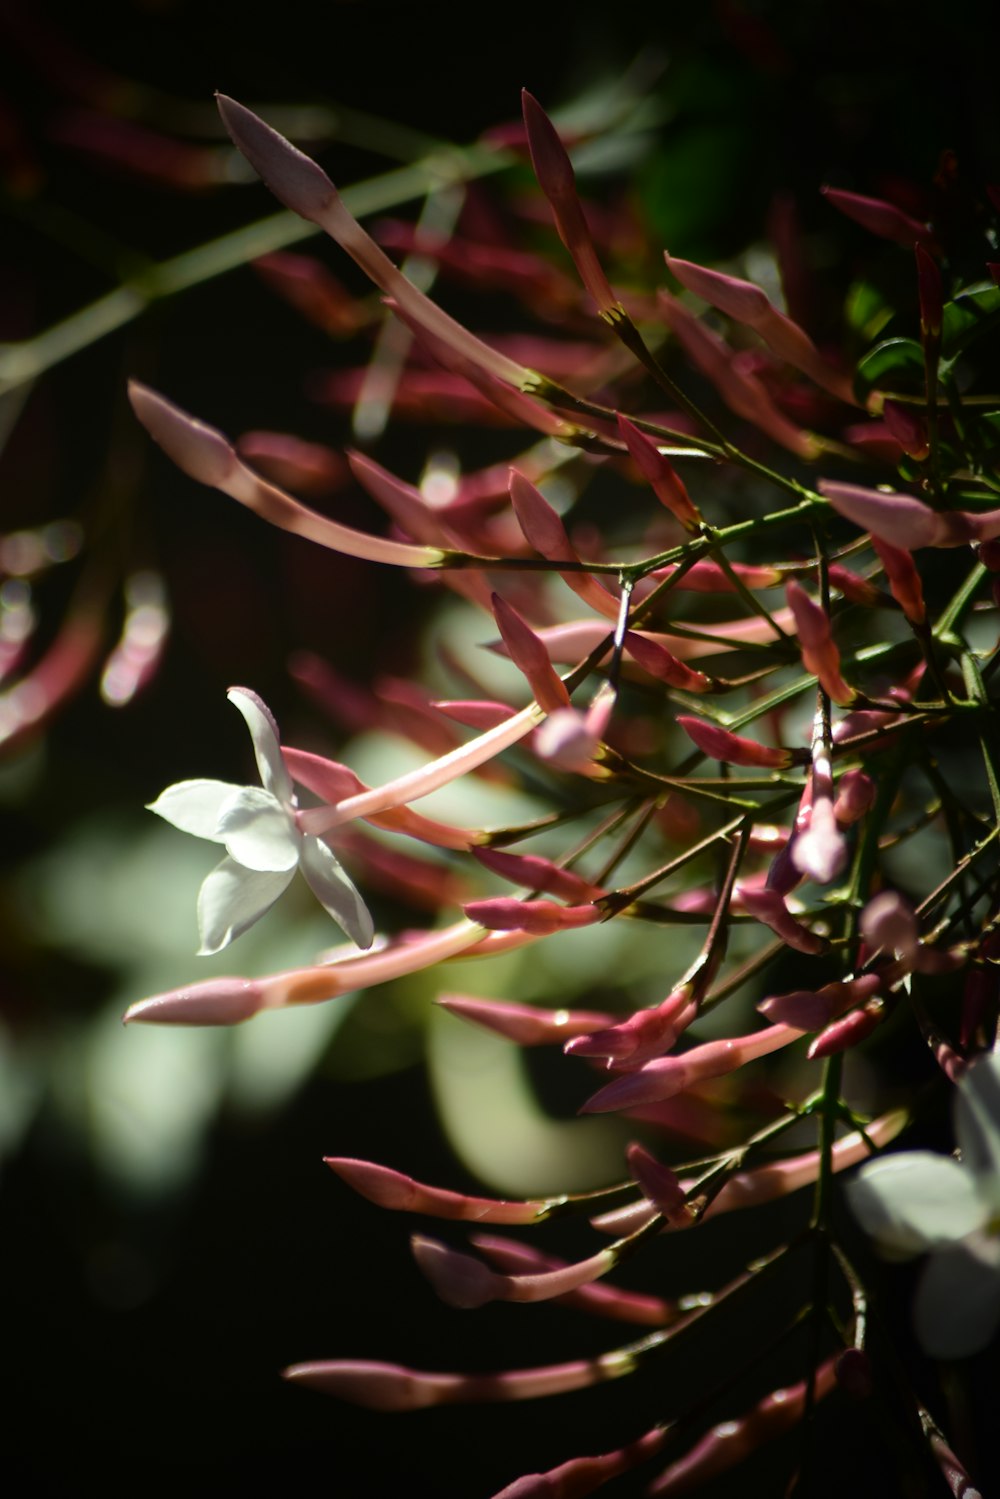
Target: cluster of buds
753, 761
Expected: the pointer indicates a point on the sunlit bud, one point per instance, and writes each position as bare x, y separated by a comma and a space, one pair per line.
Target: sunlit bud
646, 1034
400, 1193
888, 922
903, 579
530, 656
769, 907
820, 852
856, 794
665, 1076
546, 533
391, 1387
819, 653
732, 1442
463, 1281
733, 749
899, 518
663, 665
859, 590
571, 740
476, 713
708, 577
660, 1185
599, 1299
535, 873
583, 1475
310, 468
525, 1024
221, 1001
811, 1010
659, 473
909, 428
863, 721
335, 782
881, 218
850, 1030
556, 178
504, 914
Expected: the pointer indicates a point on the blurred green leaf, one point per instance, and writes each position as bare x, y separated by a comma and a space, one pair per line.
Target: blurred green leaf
895, 364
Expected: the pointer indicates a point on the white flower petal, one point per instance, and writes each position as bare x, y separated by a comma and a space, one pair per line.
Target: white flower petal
258, 832
977, 1124
333, 889
233, 898
958, 1301
266, 745
194, 806
916, 1201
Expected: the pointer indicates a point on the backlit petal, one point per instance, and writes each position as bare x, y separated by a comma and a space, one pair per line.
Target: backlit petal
233, 898
264, 733
916, 1201
333, 889
258, 832
194, 806
958, 1301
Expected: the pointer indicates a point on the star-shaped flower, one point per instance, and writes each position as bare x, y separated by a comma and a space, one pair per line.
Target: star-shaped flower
917, 1202
263, 842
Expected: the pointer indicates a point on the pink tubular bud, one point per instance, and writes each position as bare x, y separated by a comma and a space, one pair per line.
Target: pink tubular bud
475, 713
392, 1387
850, 1030
881, 218
599, 1299
401, 1193
530, 657
908, 427
524, 1024
820, 852
732, 1442
333, 781
222, 1001
811, 1010
556, 178
898, 518
465, 1282
569, 739
720, 744
903, 579
665, 667
665, 1076
201, 451
644, 1035
308, 467
888, 922
539, 917
535, 873
546, 533
583, 1475
853, 587
819, 653
856, 794
293, 177
769, 907
660, 1185
659, 473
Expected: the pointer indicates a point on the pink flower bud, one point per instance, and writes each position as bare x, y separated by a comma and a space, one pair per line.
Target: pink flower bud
308, 467
598, 1299
392, 1387
665, 1076
546, 533
660, 1185
583, 1475
313, 291
819, 653
853, 587
569, 739
897, 518
811, 1010
659, 473
660, 663
525, 1024
201, 451
221, 1001
856, 794
401, 1193
909, 428
465, 1282
504, 914
535, 873
769, 907
888, 922
881, 218
820, 852
903, 579
720, 744
530, 656
850, 1030
644, 1035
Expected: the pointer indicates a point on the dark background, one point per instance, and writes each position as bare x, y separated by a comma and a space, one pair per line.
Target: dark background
142, 1342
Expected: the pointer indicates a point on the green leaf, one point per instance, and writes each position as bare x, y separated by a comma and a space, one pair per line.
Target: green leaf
975, 312
897, 364
866, 310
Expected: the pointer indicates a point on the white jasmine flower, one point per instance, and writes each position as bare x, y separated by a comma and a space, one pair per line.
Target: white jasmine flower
918, 1202
263, 842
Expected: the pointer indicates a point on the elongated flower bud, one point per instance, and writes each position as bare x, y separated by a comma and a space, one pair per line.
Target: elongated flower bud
666, 1076
733, 749
392, 1387
769, 907
401, 1193
881, 218
547, 534
659, 473
463, 1281
644, 1035
221, 1001
535, 873
903, 579
811, 1010
819, 653
583, 1475
530, 656
524, 1024
597, 1298
661, 1186
856, 794
504, 914
662, 664
898, 518
850, 1030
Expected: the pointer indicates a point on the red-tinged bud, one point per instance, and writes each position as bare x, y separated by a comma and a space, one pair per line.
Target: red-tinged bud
536, 916
888, 922
864, 721
598, 1298
897, 518
400, 1193
530, 657
903, 579
850, 1030
465, 1282
663, 665
769, 907
557, 180
310, 468
477, 714
524, 1024
665, 1076
293, 177
644, 1035
908, 427
659, 473
201, 451
546, 533
854, 1374
733, 749
535, 873
222, 1001
859, 590
819, 653
571, 740
660, 1185
881, 218
708, 577
391, 1387
929, 287
811, 1010
732, 1442
583, 1475
820, 852
856, 794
